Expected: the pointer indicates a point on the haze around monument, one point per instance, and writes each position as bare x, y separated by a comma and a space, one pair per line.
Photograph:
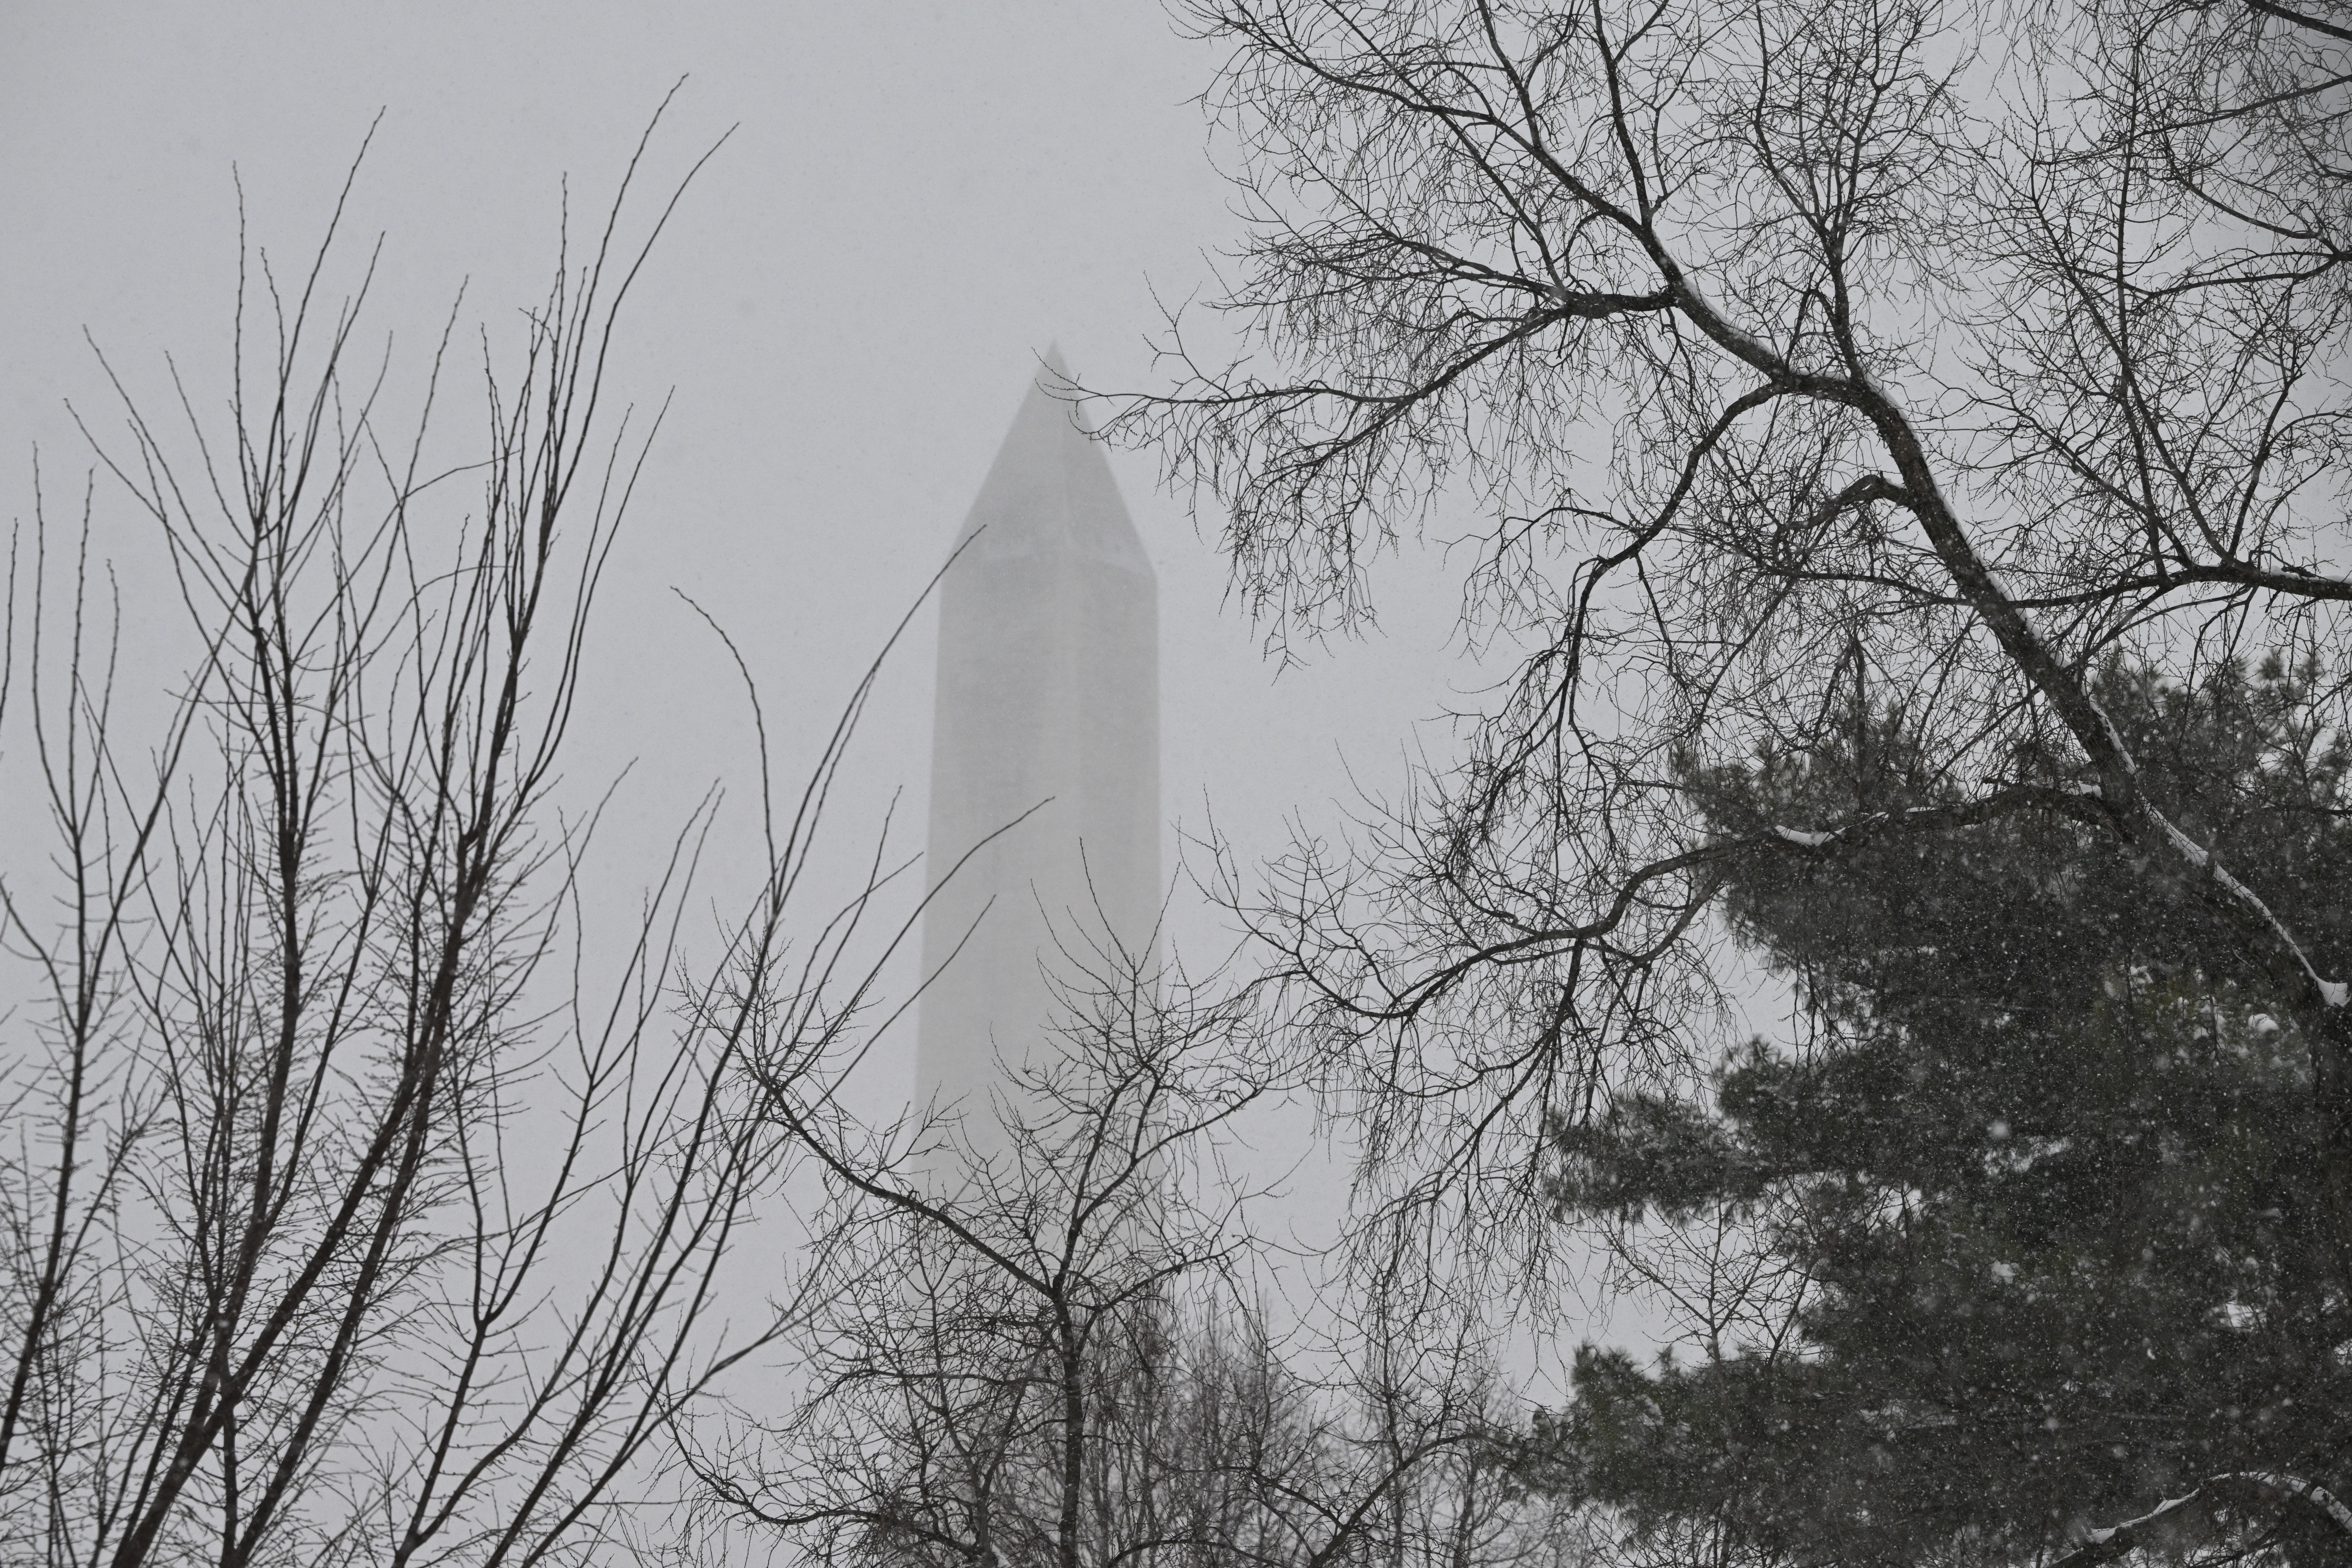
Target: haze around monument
918, 199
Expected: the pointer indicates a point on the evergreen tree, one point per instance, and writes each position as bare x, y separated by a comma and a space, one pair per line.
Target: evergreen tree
2047, 1167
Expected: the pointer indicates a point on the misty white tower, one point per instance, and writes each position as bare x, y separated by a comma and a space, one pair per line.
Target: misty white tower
1047, 704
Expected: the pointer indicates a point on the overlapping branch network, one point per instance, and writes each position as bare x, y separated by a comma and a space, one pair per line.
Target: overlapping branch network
1808, 364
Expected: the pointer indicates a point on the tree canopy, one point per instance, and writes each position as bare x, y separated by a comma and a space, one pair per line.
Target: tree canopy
2046, 1167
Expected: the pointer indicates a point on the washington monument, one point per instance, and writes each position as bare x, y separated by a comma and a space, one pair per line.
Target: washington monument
1045, 733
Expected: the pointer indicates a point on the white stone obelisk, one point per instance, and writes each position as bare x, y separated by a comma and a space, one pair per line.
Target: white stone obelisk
1045, 733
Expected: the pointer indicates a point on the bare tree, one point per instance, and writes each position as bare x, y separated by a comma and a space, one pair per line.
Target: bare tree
1045, 1354
1793, 353
961, 1377
363, 1202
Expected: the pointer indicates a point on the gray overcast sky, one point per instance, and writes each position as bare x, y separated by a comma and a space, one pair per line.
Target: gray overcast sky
919, 198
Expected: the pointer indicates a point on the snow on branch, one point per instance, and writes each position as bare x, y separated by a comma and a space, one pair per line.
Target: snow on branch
2238, 1486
